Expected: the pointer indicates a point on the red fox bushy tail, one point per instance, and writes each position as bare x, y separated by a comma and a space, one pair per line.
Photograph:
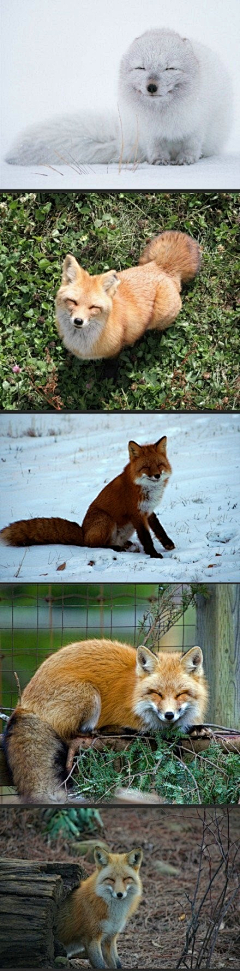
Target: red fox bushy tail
176, 253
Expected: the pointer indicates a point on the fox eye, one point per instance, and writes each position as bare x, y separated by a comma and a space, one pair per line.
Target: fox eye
152, 691
140, 69
93, 307
70, 300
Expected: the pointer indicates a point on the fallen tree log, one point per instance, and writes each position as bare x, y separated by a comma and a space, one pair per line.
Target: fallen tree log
30, 895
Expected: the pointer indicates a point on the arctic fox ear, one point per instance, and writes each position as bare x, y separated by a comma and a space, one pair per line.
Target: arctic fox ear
70, 269
101, 857
134, 450
134, 858
192, 661
110, 281
187, 43
146, 661
163, 443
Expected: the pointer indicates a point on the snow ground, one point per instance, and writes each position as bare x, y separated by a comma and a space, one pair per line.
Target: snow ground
218, 172
63, 463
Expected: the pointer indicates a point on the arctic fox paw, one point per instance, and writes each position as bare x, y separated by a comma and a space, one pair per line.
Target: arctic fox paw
184, 160
161, 160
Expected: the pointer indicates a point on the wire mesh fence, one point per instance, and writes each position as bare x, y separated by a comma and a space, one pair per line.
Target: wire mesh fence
38, 619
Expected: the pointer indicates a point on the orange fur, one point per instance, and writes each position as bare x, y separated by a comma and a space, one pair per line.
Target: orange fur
124, 505
99, 315
93, 915
92, 685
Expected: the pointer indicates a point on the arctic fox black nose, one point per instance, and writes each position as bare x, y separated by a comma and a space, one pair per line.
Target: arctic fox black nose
78, 322
152, 88
119, 894
169, 715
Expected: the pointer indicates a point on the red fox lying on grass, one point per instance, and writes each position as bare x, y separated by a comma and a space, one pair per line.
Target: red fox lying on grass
91, 685
91, 917
124, 505
97, 316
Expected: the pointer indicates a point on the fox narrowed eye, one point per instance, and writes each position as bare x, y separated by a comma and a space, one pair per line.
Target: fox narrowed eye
183, 694
153, 692
70, 300
93, 307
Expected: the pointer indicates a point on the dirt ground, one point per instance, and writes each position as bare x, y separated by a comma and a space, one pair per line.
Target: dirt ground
171, 839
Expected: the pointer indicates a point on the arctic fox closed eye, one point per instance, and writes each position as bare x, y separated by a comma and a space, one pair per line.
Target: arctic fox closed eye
174, 106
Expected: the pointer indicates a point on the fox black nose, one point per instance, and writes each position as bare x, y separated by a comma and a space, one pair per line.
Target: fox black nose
152, 88
119, 895
157, 476
78, 322
169, 715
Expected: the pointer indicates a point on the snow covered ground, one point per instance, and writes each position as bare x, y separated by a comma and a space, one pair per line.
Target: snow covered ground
56, 465
218, 172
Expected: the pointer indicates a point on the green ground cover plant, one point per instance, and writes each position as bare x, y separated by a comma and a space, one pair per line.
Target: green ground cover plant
192, 365
208, 778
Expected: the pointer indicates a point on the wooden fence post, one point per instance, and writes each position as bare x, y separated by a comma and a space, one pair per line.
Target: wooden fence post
218, 633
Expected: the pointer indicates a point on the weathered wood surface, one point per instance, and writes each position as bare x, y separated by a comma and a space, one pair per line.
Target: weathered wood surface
218, 633
30, 895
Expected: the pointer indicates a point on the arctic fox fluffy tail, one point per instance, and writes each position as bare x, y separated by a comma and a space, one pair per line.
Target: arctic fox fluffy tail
83, 138
176, 253
38, 532
36, 757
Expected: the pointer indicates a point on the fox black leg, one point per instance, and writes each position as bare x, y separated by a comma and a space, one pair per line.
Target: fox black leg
155, 525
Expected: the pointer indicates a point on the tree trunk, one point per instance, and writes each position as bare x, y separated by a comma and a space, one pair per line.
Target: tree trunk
218, 633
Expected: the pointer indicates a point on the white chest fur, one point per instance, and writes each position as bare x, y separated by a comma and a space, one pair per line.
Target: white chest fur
80, 341
152, 491
117, 915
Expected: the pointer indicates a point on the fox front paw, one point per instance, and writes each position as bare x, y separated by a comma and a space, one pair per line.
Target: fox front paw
161, 160
186, 159
156, 556
169, 545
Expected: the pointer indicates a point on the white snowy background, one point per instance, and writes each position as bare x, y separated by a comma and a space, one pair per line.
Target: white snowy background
60, 467
59, 56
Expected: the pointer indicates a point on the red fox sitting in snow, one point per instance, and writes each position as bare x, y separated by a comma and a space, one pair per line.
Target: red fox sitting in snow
124, 505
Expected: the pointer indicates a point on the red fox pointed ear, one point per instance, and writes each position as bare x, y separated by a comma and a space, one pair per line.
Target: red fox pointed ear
101, 857
134, 450
70, 269
110, 281
146, 661
192, 661
134, 858
163, 443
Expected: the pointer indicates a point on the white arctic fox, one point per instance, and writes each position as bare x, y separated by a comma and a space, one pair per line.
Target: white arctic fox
174, 106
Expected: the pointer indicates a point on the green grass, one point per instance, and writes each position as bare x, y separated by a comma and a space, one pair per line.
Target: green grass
193, 365
210, 777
